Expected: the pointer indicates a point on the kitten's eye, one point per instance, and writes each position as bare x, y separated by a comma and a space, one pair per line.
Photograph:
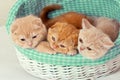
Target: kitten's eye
89, 48
81, 40
53, 38
34, 36
22, 39
62, 46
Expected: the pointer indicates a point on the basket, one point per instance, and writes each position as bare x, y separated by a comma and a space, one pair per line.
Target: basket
64, 67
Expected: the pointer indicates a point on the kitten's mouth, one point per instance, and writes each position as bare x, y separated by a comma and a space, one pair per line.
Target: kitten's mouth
54, 46
28, 47
34, 46
31, 46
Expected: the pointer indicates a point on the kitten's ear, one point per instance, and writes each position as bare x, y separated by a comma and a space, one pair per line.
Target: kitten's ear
86, 24
38, 23
13, 28
52, 26
108, 43
56, 24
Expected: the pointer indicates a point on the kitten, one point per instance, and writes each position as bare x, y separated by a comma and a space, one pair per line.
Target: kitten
93, 41
107, 25
73, 18
28, 31
63, 38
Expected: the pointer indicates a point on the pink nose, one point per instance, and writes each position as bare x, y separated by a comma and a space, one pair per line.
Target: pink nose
82, 48
55, 46
30, 43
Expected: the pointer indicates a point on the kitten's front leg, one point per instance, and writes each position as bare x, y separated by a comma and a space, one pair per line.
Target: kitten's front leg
72, 52
45, 48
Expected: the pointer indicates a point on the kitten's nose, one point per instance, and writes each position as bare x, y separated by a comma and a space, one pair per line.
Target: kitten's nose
55, 46
82, 48
30, 43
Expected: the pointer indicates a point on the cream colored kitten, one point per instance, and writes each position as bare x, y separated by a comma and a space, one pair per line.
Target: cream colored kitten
28, 31
93, 41
44, 47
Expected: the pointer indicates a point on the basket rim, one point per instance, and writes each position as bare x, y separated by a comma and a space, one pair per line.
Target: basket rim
36, 55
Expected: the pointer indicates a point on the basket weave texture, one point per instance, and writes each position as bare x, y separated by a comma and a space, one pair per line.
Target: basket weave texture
108, 8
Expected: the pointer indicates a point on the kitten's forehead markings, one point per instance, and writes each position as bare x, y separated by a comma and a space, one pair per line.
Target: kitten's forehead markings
33, 33
22, 36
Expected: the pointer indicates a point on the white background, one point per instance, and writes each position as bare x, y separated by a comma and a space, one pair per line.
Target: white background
5, 6
9, 65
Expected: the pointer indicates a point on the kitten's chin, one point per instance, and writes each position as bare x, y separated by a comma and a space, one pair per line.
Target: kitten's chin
92, 56
29, 47
51, 46
88, 55
80, 51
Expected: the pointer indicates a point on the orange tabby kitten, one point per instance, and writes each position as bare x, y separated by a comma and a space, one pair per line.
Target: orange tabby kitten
73, 18
63, 38
95, 41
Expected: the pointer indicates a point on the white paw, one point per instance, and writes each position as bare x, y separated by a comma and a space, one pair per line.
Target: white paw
73, 52
52, 52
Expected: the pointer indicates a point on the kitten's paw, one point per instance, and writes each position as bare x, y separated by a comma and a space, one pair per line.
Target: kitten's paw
52, 52
73, 52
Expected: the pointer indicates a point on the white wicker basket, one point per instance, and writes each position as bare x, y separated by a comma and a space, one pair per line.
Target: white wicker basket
51, 67
52, 72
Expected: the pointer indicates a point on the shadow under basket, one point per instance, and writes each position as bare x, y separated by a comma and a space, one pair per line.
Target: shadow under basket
64, 67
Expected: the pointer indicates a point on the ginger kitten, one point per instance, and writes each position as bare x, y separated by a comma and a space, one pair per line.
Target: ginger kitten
63, 38
28, 31
73, 18
95, 41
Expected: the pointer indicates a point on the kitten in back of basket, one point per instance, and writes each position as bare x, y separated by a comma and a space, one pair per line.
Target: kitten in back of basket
69, 33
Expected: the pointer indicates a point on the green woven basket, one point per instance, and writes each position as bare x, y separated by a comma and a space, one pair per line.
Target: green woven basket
108, 8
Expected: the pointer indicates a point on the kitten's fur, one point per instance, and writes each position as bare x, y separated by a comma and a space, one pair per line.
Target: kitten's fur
28, 31
107, 25
95, 41
73, 18
33, 31
44, 46
63, 38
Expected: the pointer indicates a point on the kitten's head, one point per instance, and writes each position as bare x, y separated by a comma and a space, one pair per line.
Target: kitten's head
93, 43
63, 37
28, 31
